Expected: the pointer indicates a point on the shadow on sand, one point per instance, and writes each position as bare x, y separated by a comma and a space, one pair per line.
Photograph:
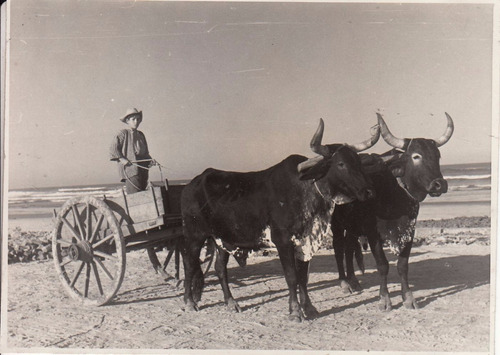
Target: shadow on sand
450, 274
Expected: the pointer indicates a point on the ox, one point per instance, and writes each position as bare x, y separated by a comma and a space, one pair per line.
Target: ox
294, 199
402, 178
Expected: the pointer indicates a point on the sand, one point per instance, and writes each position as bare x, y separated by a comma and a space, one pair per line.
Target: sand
450, 282
449, 274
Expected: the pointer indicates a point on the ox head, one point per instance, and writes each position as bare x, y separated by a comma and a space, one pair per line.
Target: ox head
418, 164
338, 167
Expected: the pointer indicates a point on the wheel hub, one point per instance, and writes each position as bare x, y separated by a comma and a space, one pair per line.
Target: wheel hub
81, 251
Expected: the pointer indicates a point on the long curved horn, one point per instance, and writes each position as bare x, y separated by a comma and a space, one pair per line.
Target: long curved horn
387, 135
316, 146
447, 134
359, 147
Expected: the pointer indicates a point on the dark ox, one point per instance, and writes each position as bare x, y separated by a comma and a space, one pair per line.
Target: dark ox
237, 208
402, 178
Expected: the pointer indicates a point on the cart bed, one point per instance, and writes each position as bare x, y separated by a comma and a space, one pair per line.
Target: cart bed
148, 210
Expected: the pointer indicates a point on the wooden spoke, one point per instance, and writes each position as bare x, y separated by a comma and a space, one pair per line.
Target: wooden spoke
95, 216
77, 274
65, 262
167, 260
104, 255
97, 279
89, 221
109, 237
96, 229
104, 268
73, 231
76, 216
87, 280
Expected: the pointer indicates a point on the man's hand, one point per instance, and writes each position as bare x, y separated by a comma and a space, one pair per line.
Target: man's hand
153, 163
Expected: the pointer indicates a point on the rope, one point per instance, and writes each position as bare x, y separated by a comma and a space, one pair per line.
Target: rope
130, 181
143, 167
145, 160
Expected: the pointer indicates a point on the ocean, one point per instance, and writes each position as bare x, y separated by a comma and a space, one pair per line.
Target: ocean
469, 194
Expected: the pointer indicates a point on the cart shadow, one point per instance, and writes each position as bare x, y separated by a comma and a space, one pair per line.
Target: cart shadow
148, 294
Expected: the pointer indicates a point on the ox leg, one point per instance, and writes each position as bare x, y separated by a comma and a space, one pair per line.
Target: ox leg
221, 270
303, 277
383, 269
193, 275
352, 281
338, 248
287, 258
408, 299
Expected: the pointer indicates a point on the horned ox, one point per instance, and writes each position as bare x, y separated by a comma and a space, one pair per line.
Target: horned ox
236, 208
402, 178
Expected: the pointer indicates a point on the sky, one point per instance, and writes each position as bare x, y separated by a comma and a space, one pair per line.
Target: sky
238, 86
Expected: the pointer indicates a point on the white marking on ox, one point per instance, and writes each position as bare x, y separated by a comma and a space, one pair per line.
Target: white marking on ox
307, 246
397, 232
265, 238
341, 199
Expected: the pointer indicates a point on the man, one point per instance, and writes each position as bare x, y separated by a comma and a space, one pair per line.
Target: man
130, 149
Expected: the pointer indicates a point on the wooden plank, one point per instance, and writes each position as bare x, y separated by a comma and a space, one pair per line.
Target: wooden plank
134, 228
154, 235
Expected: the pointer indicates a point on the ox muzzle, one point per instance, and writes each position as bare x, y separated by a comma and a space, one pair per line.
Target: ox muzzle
437, 187
365, 194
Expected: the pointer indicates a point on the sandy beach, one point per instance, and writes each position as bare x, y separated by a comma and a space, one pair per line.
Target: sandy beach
450, 283
449, 271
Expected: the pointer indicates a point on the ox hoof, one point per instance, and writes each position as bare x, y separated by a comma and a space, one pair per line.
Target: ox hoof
233, 306
310, 311
296, 316
409, 301
361, 263
350, 286
384, 304
191, 307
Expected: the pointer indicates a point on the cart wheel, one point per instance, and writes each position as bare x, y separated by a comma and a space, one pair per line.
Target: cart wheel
154, 253
89, 250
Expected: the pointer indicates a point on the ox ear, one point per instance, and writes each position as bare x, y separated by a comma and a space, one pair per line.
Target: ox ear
315, 172
371, 163
397, 166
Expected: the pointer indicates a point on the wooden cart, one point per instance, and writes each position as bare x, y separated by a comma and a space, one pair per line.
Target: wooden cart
91, 237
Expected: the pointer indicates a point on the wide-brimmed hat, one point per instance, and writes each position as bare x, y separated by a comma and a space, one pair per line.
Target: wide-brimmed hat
132, 112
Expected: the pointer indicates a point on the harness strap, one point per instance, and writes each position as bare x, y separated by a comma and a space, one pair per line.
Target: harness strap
403, 186
317, 189
316, 185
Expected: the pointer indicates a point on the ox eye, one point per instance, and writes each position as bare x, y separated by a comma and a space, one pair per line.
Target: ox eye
416, 157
